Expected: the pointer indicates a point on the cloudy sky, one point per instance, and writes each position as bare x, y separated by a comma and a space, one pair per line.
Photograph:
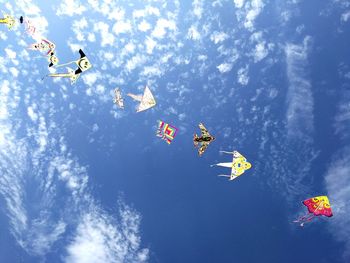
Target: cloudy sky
84, 181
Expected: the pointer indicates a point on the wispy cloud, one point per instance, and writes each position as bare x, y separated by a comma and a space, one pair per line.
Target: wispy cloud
99, 238
299, 97
338, 188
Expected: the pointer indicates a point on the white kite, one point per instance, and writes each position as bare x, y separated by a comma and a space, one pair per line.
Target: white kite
118, 100
238, 165
146, 100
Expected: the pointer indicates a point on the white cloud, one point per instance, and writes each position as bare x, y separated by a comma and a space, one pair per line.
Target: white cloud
122, 27
238, 3
345, 16
338, 187
99, 239
193, 33
253, 11
299, 98
218, 37
144, 26
70, 8
106, 37
224, 67
242, 75
161, 26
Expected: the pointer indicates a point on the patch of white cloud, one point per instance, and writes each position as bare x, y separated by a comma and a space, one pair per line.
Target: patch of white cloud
70, 8
299, 97
99, 239
218, 37
338, 187
225, 67
238, 3
242, 76
253, 9
345, 16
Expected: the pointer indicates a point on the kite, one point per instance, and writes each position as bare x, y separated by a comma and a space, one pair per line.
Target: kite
70, 74
204, 140
8, 20
146, 100
317, 206
118, 100
166, 131
53, 59
83, 64
30, 29
43, 46
238, 165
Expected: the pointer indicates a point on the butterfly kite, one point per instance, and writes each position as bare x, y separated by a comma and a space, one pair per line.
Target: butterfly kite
317, 206
166, 131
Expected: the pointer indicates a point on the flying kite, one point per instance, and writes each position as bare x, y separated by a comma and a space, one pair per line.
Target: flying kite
118, 100
83, 64
204, 140
317, 206
44, 45
146, 100
8, 20
70, 74
30, 28
166, 131
238, 165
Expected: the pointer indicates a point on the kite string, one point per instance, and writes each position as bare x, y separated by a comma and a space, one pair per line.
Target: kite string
65, 64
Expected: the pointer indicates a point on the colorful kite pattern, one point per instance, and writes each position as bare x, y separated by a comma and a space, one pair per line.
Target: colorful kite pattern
317, 206
166, 131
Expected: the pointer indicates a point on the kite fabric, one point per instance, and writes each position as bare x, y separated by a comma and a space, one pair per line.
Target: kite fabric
118, 99
317, 206
146, 100
166, 131
83, 65
8, 20
238, 165
70, 74
44, 45
202, 141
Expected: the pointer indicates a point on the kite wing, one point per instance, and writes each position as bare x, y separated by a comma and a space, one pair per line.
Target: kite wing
83, 63
319, 205
204, 146
204, 131
166, 131
70, 74
135, 97
147, 100
118, 100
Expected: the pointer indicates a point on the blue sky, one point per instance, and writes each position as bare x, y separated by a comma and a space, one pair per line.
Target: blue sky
84, 181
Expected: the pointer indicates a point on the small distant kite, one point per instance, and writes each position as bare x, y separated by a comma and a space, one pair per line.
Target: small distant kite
44, 45
238, 165
146, 100
204, 140
30, 28
118, 100
8, 20
317, 206
166, 131
83, 64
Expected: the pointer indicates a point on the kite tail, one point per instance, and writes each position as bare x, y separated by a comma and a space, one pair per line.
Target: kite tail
226, 152
304, 219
